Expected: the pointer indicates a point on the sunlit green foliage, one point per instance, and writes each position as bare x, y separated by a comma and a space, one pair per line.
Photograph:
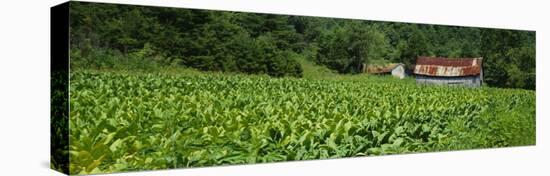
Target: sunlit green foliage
136, 121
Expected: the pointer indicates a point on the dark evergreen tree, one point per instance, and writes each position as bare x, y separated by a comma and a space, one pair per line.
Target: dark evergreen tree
136, 37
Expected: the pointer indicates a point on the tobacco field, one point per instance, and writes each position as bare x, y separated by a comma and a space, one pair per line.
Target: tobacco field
141, 121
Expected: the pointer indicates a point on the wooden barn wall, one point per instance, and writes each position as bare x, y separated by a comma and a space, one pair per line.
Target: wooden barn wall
469, 81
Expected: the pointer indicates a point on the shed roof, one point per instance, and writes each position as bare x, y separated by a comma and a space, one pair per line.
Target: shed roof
382, 69
447, 67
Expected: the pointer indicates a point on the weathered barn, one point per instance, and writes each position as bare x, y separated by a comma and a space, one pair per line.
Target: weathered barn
395, 69
449, 71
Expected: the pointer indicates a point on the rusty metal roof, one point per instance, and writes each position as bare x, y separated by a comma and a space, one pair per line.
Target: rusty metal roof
382, 69
447, 67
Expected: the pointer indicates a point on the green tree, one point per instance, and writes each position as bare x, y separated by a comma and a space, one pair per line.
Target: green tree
345, 48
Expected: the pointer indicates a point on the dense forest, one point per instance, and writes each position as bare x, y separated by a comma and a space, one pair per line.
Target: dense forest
108, 36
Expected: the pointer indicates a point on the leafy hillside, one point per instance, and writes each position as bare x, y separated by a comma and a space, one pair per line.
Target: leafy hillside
106, 36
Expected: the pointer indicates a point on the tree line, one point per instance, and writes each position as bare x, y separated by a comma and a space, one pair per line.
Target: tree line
114, 36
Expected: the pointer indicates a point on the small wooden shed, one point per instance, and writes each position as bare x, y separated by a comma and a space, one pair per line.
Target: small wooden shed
395, 69
449, 71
